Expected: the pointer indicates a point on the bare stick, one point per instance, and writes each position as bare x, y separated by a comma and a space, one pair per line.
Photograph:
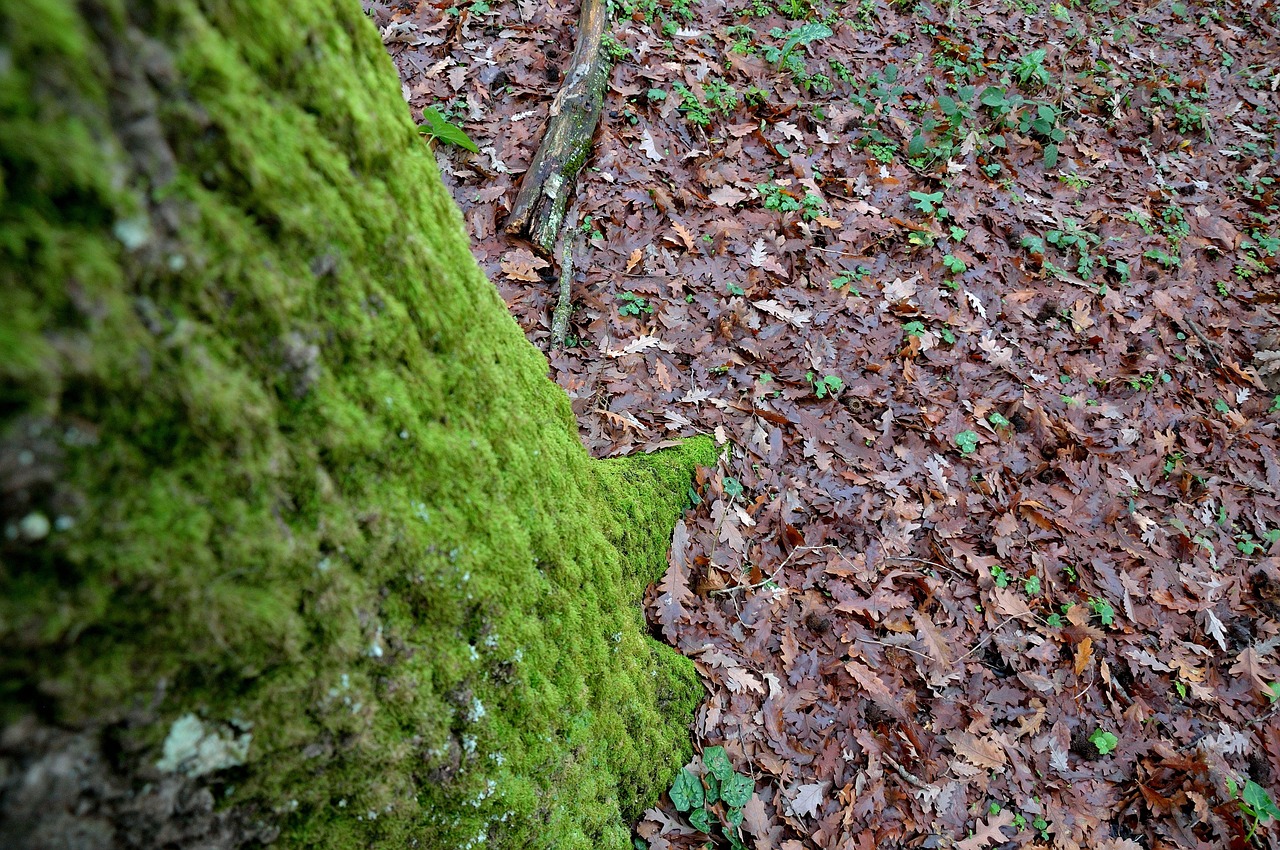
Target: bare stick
560, 318
548, 184
903, 772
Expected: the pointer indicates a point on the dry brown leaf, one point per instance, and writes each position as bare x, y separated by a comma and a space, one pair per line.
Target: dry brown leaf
1084, 654
634, 260
727, 196
981, 752
989, 832
685, 236
521, 264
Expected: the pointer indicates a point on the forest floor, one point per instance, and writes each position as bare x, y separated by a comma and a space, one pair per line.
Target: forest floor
983, 297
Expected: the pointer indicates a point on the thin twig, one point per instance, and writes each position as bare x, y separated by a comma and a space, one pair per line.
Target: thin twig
1209, 347
926, 561
725, 591
988, 638
895, 646
904, 773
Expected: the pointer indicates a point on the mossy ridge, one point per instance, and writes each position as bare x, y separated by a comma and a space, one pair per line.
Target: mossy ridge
315, 478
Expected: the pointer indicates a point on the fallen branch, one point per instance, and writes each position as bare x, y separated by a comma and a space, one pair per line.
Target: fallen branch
560, 318
544, 193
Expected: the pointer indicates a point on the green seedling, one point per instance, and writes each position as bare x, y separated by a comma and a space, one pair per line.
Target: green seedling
633, 305
826, 385
1255, 804
1101, 607
1106, 742
440, 129
697, 795
929, 203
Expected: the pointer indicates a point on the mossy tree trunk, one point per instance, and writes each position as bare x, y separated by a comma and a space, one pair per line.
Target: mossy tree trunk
296, 530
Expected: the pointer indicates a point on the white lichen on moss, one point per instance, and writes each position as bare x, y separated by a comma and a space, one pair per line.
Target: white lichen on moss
193, 749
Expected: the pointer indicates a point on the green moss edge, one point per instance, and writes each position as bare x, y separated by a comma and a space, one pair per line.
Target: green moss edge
305, 474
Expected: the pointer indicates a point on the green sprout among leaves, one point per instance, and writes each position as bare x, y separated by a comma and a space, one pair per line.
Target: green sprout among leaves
801, 36
929, 203
697, 796
826, 385
967, 442
439, 128
1105, 741
1255, 803
633, 304
1101, 607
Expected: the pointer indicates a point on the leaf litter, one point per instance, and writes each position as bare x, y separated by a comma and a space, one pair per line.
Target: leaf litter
1037, 509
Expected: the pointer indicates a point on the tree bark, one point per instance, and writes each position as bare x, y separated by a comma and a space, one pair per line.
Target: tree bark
293, 520
548, 185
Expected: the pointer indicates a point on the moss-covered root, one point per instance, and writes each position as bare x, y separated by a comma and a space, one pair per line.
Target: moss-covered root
290, 507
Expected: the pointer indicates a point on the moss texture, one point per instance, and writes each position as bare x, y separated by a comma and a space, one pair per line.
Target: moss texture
273, 453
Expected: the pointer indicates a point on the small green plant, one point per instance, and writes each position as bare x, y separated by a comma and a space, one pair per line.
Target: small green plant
614, 49
1030, 70
825, 385
1077, 182
954, 264
929, 203
1247, 545
714, 800
1105, 741
997, 420
811, 207
440, 129
846, 279
694, 111
1101, 607
1000, 576
774, 197
1164, 258
967, 442
801, 36
720, 95
633, 305
1255, 804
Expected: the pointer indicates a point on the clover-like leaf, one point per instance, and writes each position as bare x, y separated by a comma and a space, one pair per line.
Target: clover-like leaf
967, 442
1106, 742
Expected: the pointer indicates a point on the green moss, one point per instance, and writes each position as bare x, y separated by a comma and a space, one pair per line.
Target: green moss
304, 470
